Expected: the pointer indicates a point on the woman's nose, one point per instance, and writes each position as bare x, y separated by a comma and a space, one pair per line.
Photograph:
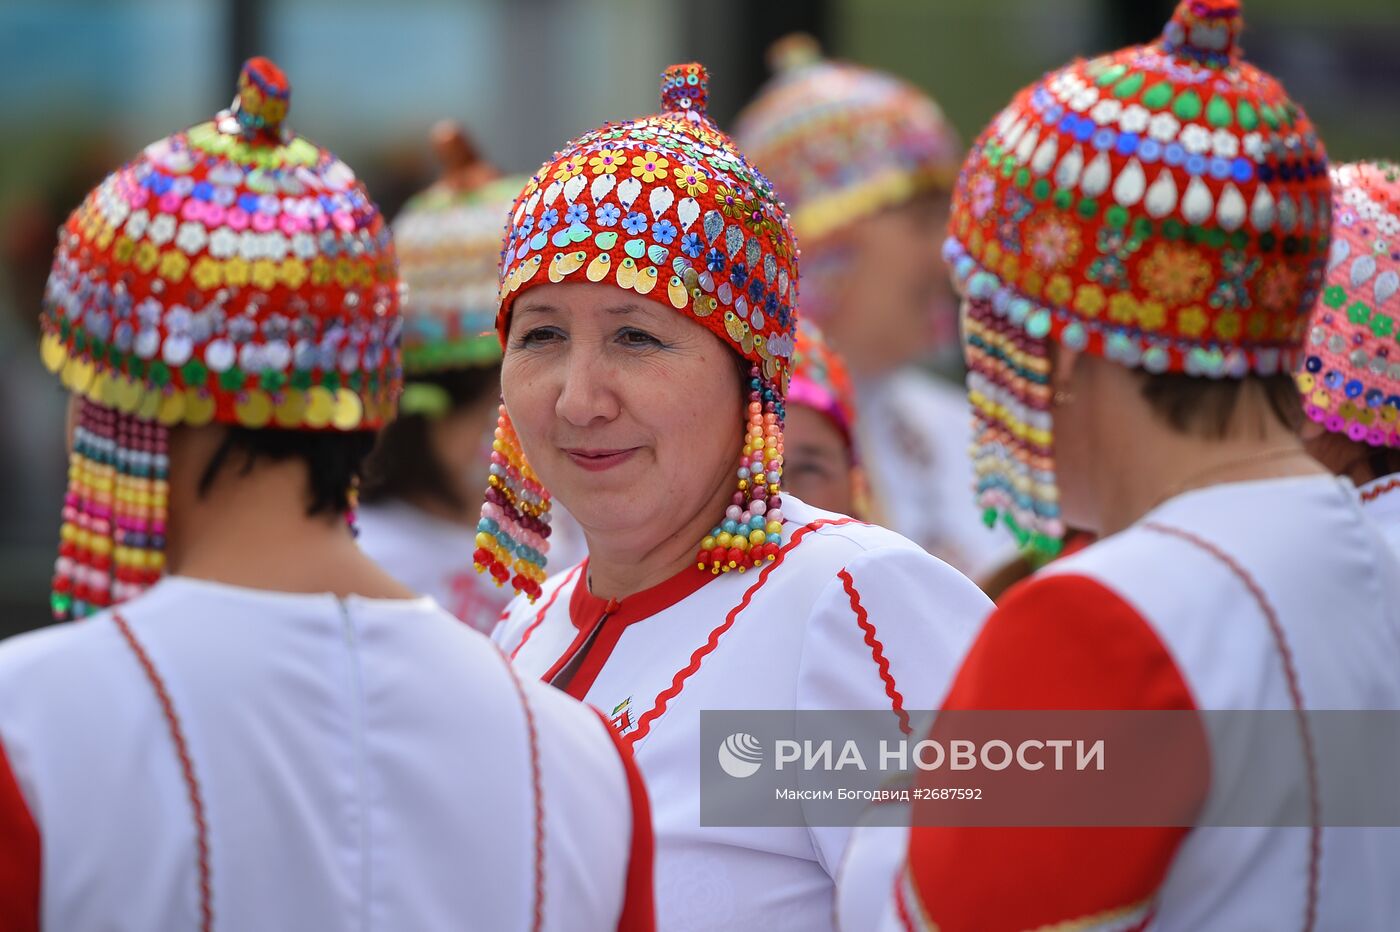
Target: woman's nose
588, 393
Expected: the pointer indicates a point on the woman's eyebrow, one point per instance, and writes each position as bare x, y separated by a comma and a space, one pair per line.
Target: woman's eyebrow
537, 309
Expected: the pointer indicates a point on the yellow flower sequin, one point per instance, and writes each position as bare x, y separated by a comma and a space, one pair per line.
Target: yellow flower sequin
650, 167
173, 266
1089, 300
206, 273
606, 162
1191, 321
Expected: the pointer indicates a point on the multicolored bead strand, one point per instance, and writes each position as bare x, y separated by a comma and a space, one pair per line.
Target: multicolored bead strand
513, 533
750, 533
1008, 385
113, 537
352, 512
139, 527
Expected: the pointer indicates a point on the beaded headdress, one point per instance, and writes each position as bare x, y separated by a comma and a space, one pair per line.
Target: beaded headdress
233, 273
840, 143
448, 240
1165, 206
1350, 375
665, 207
821, 382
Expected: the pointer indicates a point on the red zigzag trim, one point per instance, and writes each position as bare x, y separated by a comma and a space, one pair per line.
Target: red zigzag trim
177, 734
877, 651
678, 681
539, 617
1295, 692
537, 789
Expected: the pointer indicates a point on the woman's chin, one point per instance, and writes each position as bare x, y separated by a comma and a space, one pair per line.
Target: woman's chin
611, 514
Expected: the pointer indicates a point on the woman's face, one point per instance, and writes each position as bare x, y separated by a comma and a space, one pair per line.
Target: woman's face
630, 413
816, 461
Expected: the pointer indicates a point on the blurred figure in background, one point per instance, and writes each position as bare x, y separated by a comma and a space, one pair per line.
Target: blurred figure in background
820, 464
1350, 373
275, 734
421, 498
864, 162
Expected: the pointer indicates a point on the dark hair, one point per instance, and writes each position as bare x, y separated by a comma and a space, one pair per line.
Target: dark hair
402, 465
333, 460
1203, 407
1354, 458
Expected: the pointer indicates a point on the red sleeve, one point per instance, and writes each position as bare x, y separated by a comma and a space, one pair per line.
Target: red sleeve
638, 907
19, 856
1062, 642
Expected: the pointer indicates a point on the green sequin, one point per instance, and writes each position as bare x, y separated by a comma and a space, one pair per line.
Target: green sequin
1218, 113
1129, 86
272, 380
1158, 95
1247, 115
1187, 105
301, 380
1088, 208
1111, 74
231, 379
160, 374
1041, 189
194, 373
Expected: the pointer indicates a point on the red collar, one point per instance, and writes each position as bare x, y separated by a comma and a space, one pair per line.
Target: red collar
585, 608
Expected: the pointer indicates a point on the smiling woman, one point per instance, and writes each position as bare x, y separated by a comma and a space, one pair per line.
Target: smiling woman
656, 416
631, 411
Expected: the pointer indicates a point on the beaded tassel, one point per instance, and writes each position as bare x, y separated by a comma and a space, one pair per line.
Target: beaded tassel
750, 534
513, 533
352, 513
112, 543
1008, 386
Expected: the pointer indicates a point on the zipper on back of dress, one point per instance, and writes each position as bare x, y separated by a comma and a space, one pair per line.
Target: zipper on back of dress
357, 703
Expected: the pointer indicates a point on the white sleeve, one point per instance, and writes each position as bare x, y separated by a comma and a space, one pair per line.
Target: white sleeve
597, 823
888, 632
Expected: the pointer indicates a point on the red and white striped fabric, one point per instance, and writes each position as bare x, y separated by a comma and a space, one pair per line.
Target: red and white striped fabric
851, 616
209, 757
1278, 594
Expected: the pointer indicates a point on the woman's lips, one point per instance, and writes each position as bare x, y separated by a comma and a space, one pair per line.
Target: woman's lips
599, 460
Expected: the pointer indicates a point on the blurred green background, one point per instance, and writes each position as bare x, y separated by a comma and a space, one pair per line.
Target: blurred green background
85, 83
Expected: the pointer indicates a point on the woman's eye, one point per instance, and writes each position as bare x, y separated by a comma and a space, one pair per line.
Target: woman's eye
815, 470
640, 338
538, 336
